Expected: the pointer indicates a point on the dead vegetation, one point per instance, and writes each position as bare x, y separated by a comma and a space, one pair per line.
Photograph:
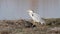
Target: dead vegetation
26, 27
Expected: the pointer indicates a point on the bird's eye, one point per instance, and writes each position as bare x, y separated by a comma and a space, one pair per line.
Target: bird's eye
32, 14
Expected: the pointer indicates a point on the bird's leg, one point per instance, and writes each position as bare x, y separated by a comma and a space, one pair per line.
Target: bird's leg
36, 23
33, 22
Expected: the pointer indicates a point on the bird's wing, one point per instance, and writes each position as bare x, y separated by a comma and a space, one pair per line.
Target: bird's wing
36, 15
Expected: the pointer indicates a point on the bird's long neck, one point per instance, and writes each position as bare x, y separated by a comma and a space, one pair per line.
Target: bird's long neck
31, 14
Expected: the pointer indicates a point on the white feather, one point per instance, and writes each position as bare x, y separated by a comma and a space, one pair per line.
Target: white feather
36, 17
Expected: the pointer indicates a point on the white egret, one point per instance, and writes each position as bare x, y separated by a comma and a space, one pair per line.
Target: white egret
36, 17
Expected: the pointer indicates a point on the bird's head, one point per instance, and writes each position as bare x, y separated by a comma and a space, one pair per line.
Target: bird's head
30, 11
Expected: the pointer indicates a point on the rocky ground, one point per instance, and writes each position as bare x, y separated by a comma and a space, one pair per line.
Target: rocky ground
22, 26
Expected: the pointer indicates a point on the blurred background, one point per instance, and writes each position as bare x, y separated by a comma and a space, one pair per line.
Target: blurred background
17, 9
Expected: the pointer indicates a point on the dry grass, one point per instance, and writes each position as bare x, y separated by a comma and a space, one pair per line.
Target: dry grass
52, 26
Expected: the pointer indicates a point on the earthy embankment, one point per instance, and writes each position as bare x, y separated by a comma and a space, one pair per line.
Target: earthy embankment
22, 26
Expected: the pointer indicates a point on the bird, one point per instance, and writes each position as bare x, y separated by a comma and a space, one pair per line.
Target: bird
35, 17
